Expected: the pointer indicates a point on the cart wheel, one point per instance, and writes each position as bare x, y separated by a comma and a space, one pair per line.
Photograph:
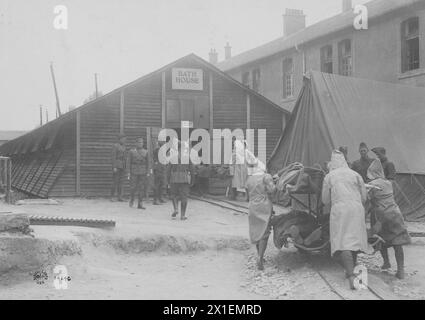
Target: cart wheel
302, 251
327, 252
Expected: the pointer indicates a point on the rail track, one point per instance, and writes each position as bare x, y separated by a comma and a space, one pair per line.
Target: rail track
63, 221
373, 291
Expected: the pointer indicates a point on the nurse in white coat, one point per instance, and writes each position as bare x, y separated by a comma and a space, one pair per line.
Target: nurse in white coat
345, 190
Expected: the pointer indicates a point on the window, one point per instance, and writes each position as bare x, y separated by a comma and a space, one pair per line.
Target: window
246, 79
326, 59
256, 74
288, 78
345, 58
410, 44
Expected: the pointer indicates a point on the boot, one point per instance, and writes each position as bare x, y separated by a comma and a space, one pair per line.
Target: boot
140, 205
399, 256
155, 202
131, 203
384, 254
183, 210
233, 194
119, 194
175, 205
400, 274
351, 282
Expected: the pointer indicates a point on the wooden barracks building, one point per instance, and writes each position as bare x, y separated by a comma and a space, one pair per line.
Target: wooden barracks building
71, 155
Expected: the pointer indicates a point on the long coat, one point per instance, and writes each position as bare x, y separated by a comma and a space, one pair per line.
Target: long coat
260, 187
137, 162
386, 218
345, 190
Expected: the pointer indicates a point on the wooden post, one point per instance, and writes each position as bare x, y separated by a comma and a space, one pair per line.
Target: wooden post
95, 86
8, 163
122, 102
149, 145
248, 111
163, 101
78, 154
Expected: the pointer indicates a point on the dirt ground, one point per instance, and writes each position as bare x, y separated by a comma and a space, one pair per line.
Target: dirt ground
150, 256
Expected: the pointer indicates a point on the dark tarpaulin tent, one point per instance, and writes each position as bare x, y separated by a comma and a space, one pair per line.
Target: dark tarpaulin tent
333, 111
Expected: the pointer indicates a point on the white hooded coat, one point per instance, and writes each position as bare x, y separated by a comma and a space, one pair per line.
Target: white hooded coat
239, 169
345, 190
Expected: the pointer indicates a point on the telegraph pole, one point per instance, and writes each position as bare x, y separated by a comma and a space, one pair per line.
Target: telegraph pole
95, 84
41, 115
58, 108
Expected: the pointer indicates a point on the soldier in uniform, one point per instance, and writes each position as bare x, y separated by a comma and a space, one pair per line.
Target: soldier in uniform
159, 176
118, 166
180, 178
137, 166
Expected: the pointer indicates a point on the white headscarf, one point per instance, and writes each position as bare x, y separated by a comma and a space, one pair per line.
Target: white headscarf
174, 150
255, 166
337, 161
239, 152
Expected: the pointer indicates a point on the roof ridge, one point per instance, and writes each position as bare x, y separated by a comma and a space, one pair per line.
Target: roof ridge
381, 6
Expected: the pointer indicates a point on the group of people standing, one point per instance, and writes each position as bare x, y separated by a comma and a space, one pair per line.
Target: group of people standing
353, 191
134, 165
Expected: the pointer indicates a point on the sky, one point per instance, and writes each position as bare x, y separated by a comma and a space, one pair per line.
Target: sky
121, 40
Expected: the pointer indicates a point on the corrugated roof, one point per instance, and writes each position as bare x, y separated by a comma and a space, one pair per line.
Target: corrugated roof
9, 135
336, 23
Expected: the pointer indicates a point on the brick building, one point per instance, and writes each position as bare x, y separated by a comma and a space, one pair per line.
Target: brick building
392, 49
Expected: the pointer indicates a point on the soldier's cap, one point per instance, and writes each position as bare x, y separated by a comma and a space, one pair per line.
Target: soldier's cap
121, 135
363, 146
379, 151
139, 139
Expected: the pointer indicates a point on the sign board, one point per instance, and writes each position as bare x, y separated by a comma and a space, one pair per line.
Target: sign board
187, 124
187, 79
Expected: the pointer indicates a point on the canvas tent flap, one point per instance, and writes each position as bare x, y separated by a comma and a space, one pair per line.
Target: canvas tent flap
338, 111
334, 111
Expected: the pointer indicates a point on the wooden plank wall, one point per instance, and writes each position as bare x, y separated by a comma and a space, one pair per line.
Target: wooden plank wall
264, 116
142, 109
99, 127
229, 102
65, 183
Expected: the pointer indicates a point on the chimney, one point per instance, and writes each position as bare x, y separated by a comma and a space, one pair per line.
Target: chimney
227, 51
213, 56
293, 21
347, 5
